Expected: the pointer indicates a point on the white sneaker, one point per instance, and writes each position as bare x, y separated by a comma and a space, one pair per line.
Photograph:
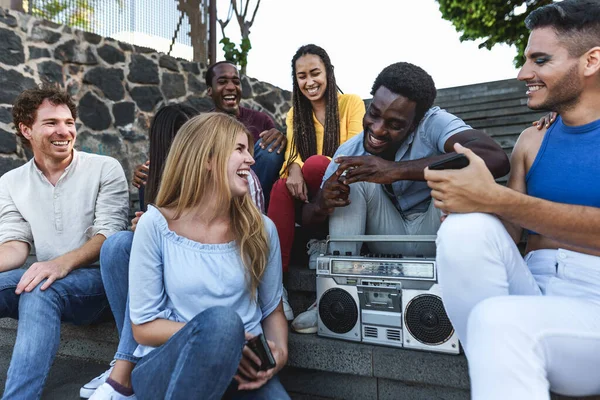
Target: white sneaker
107, 392
287, 309
89, 388
315, 249
307, 321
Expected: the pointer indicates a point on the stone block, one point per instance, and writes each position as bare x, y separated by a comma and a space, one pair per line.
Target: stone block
51, 72
173, 85
5, 115
168, 62
94, 113
393, 390
146, 97
196, 86
13, 83
124, 113
38, 52
39, 34
328, 384
313, 352
109, 80
8, 142
421, 367
72, 52
11, 51
110, 54
142, 70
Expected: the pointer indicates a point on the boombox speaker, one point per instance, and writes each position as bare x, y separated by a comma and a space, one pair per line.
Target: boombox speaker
385, 300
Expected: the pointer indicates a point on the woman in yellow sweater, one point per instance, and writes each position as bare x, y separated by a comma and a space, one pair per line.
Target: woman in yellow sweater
320, 120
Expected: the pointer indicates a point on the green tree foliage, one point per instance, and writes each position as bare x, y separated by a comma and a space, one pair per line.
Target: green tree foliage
494, 21
75, 13
232, 53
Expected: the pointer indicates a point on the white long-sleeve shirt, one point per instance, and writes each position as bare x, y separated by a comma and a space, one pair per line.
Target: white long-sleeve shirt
90, 198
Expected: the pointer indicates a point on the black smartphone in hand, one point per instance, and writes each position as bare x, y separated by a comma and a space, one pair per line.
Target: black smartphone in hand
457, 161
260, 347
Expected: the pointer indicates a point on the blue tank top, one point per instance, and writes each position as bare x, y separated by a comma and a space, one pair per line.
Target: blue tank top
567, 167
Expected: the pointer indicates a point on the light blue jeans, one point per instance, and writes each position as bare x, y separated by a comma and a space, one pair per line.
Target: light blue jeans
371, 212
114, 265
78, 298
199, 362
267, 166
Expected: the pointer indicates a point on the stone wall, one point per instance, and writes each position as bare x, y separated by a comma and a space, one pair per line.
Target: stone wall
118, 86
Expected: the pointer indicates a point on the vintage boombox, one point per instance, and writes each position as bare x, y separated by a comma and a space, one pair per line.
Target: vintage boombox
386, 300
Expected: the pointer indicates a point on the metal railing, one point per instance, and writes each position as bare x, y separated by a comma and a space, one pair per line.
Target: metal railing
148, 23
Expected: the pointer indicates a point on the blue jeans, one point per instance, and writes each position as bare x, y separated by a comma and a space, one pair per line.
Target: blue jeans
114, 265
267, 166
199, 362
78, 298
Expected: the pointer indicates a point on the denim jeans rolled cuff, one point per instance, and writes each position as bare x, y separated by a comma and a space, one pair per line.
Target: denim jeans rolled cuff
114, 265
126, 357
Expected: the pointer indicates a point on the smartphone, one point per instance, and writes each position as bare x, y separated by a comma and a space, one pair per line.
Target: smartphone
457, 161
260, 347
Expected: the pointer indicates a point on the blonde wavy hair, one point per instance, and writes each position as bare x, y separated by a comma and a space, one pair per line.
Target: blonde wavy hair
209, 139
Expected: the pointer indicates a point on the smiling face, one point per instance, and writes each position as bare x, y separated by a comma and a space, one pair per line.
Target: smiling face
551, 74
387, 123
52, 134
226, 89
311, 77
238, 166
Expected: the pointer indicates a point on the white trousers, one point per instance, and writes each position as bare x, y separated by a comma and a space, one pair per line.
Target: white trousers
527, 326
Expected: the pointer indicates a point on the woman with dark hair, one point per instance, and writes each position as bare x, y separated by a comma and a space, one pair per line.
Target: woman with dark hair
163, 129
320, 120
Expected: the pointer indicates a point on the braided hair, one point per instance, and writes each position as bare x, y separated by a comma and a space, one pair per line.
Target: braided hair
304, 140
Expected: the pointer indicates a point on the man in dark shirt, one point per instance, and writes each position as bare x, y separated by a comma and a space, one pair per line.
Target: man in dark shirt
225, 89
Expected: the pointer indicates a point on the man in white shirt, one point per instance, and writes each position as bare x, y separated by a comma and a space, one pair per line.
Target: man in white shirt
66, 203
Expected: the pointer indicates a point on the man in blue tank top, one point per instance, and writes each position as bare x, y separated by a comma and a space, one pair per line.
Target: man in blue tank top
532, 325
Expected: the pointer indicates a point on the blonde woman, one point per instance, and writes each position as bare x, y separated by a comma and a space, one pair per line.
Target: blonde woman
205, 274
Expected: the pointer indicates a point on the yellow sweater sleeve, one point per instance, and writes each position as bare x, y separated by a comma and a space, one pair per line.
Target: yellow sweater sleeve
351, 111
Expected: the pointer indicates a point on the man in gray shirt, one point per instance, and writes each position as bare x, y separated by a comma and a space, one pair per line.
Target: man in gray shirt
66, 203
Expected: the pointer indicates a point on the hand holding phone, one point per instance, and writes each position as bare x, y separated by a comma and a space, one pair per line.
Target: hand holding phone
260, 347
457, 161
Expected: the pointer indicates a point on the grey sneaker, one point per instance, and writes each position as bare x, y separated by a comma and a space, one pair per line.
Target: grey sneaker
307, 321
287, 309
315, 248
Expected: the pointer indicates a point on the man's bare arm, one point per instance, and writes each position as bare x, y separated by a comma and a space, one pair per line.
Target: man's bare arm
60, 267
572, 224
13, 254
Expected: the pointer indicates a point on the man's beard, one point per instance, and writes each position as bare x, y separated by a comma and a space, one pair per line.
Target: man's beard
565, 94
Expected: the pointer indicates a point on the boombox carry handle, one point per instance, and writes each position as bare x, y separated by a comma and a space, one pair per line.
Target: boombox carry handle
382, 238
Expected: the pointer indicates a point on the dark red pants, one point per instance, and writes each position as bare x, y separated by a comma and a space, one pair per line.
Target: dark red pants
285, 210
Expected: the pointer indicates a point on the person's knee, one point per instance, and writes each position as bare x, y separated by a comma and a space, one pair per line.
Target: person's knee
460, 233
38, 298
315, 164
115, 252
268, 159
223, 322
